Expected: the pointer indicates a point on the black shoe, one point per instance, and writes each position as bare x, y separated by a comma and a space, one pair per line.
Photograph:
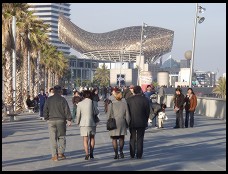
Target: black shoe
116, 156
91, 156
175, 127
86, 157
121, 155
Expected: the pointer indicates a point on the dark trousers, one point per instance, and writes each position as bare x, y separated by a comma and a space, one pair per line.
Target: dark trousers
136, 141
179, 119
191, 113
41, 110
74, 113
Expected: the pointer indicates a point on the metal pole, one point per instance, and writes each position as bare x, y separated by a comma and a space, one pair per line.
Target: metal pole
38, 71
14, 63
81, 76
140, 53
193, 47
121, 60
28, 89
71, 78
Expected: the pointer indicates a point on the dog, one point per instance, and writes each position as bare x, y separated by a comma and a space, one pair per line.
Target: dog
161, 117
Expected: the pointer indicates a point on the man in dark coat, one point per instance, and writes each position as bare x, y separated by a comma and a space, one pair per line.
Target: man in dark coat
57, 113
139, 110
179, 101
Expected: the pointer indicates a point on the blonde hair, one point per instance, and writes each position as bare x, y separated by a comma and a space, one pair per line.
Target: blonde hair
118, 95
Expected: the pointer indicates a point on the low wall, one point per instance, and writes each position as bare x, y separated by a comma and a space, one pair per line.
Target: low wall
211, 107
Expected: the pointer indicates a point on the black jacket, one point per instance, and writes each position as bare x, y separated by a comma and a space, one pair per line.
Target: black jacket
179, 101
139, 110
57, 108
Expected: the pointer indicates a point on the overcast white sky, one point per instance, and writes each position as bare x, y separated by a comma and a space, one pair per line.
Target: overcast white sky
210, 52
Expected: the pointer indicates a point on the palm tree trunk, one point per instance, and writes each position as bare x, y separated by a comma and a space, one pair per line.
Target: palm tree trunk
49, 78
56, 79
19, 76
8, 88
32, 82
19, 96
25, 74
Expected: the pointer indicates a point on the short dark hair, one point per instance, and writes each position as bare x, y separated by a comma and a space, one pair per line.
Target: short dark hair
51, 89
137, 90
178, 89
86, 94
57, 89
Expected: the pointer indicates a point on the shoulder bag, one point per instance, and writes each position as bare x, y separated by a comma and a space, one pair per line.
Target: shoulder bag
111, 123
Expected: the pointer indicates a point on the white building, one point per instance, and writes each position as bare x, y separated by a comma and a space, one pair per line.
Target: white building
49, 13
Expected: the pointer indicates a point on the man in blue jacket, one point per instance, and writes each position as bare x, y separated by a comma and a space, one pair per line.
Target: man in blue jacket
42, 98
139, 110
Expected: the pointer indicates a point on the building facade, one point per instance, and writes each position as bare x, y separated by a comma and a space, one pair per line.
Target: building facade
49, 13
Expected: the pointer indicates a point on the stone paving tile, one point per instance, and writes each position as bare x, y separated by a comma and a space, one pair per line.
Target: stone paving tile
25, 147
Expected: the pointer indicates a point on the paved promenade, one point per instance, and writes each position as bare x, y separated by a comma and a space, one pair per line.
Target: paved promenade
25, 147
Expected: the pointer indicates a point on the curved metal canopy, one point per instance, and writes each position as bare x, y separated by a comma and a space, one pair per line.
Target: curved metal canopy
112, 45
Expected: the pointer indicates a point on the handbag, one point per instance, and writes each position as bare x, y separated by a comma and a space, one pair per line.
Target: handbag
111, 123
95, 114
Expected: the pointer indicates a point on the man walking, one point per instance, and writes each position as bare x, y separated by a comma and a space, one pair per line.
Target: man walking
57, 112
139, 110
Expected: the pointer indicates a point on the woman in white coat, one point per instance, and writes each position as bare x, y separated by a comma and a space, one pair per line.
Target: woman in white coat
86, 122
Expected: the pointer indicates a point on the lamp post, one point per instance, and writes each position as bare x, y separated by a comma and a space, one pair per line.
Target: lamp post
28, 89
14, 62
121, 63
199, 9
140, 50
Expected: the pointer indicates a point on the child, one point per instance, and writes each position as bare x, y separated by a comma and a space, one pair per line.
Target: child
161, 117
156, 108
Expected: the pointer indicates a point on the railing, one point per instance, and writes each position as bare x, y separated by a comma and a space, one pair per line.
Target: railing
210, 107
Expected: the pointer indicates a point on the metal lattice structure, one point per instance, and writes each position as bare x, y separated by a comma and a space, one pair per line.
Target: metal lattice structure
110, 45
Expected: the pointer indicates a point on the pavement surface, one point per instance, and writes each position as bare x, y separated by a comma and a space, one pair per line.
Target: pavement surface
26, 147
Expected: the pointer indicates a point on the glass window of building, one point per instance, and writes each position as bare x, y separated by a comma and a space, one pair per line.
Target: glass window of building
78, 73
80, 64
87, 65
94, 64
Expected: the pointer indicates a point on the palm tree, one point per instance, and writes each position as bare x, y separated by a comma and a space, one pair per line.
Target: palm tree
102, 76
8, 11
220, 89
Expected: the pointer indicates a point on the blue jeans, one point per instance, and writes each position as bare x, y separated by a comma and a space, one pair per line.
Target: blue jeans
191, 113
41, 110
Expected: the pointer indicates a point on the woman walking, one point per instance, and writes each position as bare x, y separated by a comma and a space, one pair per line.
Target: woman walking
119, 110
190, 106
86, 122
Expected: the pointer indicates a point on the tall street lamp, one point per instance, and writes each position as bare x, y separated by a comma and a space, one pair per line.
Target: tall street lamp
121, 63
140, 51
14, 62
198, 19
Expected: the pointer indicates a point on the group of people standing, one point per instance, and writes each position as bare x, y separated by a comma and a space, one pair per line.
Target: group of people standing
181, 102
131, 113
